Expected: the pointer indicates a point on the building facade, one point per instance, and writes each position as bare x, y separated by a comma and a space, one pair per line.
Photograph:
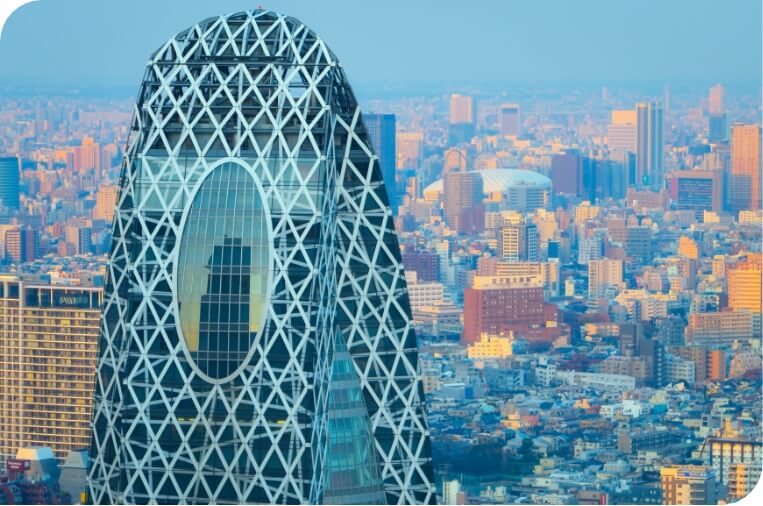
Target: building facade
256, 342
744, 182
649, 145
48, 351
9, 182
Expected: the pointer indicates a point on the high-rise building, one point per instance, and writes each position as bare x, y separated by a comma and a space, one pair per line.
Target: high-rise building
567, 174
510, 122
745, 283
9, 182
744, 180
79, 239
252, 313
462, 201
105, 203
638, 242
87, 156
689, 484
382, 133
603, 179
717, 113
621, 132
463, 119
649, 145
410, 146
21, 244
519, 241
48, 347
698, 190
603, 274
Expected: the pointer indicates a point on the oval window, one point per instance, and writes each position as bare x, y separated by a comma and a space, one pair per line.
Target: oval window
222, 271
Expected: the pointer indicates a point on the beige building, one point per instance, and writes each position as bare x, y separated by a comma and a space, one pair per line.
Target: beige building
602, 275
719, 329
688, 485
105, 203
48, 348
490, 347
462, 109
745, 178
745, 286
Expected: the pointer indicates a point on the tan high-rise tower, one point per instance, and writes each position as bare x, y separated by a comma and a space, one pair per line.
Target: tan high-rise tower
745, 178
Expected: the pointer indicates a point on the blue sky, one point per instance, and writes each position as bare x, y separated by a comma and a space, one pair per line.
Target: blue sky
414, 42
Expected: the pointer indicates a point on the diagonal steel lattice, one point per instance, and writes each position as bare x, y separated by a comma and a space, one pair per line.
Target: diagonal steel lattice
261, 92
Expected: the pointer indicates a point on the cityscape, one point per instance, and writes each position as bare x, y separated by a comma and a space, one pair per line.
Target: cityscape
258, 281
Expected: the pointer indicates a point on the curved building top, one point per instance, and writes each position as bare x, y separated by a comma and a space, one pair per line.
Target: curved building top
500, 180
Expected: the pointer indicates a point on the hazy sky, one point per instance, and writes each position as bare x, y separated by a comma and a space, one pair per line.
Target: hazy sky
413, 42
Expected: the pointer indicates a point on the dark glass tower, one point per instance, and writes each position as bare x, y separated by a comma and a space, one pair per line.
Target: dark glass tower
9, 182
256, 343
381, 132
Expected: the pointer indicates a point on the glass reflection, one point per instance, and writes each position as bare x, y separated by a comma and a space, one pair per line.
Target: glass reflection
223, 270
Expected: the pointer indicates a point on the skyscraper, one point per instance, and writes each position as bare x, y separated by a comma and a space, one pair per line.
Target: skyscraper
256, 340
463, 193
48, 347
649, 145
9, 182
621, 132
463, 118
744, 182
603, 274
698, 190
717, 113
510, 124
382, 134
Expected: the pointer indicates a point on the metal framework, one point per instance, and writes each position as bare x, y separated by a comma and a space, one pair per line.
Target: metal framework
289, 373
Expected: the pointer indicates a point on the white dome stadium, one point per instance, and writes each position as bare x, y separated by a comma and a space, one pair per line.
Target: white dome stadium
500, 180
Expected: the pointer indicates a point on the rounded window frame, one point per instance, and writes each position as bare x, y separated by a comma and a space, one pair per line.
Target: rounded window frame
209, 170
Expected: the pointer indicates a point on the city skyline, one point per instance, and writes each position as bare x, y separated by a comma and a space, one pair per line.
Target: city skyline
237, 278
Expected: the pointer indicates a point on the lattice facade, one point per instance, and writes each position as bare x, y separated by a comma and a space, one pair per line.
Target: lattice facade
253, 245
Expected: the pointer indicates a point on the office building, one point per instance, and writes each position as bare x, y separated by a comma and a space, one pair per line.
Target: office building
689, 484
519, 242
698, 190
48, 348
510, 121
105, 203
249, 341
501, 304
567, 174
463, 193
649, 145
410, 148
745, 284
720, 329
382, 134
603, 179
603, 275
463, 119
621, 132
716, 113
638, 242
744, 180
9, 182
426, 264
21, 244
